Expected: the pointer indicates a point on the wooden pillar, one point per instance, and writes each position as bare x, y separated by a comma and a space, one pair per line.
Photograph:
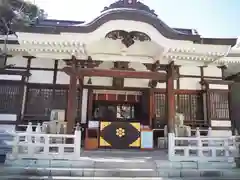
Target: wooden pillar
151, 107
223, 68
80, 94
72, 94
90, 104
170, 97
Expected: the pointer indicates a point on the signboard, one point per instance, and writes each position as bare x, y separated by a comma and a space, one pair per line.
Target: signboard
146, 139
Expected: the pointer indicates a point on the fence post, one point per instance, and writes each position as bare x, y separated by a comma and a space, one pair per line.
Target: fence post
77, 141
15, 147
171, 146
211, 143
38, 138
199, 142
28, 139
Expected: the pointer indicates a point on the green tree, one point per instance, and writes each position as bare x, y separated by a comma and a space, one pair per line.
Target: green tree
16, 12
19, 12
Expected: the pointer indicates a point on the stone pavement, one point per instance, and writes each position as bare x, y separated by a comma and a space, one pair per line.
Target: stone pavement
119, 164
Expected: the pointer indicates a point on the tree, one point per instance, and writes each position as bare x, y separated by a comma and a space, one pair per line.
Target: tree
18, 12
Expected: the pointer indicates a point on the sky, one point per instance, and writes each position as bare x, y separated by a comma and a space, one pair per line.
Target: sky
211, 18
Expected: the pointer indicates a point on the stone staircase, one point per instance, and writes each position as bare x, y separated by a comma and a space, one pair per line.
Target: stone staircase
117, 168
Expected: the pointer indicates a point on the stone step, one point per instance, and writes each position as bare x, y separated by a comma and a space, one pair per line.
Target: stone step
132, 164
116, 172
11, 177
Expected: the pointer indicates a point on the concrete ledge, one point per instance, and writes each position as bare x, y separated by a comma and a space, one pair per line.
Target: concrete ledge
232, 174
190, 173
216, 165
189, 165
102, 178
211, 173
165, 164
119, 172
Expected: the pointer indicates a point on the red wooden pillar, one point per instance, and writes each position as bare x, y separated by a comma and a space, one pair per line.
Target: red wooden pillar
72, 94
170, 98
90, 104
151, 107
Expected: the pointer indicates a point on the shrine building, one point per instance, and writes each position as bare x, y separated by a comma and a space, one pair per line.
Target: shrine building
121, 75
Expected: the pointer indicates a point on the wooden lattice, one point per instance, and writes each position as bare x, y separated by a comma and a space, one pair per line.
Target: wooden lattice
10, 97
219, 105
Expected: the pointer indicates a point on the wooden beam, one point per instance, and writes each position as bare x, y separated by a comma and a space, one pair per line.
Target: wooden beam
15, 72
115, 73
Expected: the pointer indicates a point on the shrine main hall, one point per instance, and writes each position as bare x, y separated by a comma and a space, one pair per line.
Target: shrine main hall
124, 77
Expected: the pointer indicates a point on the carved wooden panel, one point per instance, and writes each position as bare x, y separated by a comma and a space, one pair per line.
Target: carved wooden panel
128, 38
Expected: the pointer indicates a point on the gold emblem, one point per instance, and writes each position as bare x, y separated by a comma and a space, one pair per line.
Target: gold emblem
120, 132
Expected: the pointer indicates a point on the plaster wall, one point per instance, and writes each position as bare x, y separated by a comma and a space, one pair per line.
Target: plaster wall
46, 76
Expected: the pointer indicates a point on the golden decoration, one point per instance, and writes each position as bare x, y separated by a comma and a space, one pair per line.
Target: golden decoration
120, 132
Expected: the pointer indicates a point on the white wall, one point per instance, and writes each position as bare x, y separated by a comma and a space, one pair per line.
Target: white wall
190, 83
41, 76
191, 69
130, 82
18, 61
37, 76
212, 70
62, 77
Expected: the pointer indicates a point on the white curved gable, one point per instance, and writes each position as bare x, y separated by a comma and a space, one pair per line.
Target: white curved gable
99, 33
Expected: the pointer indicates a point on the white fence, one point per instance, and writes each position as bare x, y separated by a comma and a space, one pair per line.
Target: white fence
39, 145
202, 148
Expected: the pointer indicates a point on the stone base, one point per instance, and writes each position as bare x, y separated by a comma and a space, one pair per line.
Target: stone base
237, 161
129, 169
120, 164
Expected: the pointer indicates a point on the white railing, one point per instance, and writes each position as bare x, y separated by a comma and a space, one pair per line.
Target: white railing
202, 148
162, 142
39, 145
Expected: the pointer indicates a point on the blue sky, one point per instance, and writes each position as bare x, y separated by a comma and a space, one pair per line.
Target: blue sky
212, 18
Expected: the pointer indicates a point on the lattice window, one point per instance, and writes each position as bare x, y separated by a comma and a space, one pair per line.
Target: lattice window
41, 99
79, 102
160, 109
160, 105
191, 106
60, 99
219, 105
10, 97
